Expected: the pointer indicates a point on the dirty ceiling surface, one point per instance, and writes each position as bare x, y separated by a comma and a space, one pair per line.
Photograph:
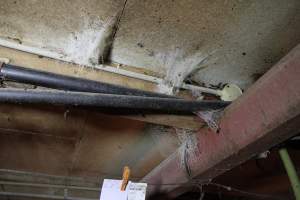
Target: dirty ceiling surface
209, 42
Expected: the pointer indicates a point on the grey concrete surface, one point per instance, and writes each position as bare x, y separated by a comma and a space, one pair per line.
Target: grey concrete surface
225, 41
77, 30
210, 42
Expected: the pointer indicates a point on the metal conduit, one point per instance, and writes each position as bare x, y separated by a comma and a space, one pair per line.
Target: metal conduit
54, 97
42, 196
43, 185
56, 81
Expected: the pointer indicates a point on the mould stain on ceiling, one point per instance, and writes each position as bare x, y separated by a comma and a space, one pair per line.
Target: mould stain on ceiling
230, 41
238, 38
76, 30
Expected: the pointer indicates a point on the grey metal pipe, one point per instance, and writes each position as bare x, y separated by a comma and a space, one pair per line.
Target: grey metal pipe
68, 83
43, 185
42, 196
55, 97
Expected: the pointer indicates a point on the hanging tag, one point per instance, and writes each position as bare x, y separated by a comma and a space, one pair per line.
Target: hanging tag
111, 190
137, 191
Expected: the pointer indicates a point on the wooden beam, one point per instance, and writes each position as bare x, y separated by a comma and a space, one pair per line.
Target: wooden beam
178, 121
50, 65
267, 114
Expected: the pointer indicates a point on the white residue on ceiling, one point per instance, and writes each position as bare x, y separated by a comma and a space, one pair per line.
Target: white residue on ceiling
179, 67
90, 44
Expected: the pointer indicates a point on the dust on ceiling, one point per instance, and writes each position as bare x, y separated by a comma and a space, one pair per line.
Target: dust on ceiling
209, 42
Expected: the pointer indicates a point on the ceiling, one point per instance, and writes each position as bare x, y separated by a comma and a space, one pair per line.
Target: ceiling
211, 43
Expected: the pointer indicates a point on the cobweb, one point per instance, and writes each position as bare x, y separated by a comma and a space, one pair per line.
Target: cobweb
211, 117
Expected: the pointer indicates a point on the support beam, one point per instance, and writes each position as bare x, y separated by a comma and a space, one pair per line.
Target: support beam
50, 65
267, 114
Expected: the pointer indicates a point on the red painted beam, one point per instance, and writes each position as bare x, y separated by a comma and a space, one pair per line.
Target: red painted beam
267, 114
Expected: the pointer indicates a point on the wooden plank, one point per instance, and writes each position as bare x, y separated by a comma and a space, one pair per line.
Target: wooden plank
179, 121
78, 142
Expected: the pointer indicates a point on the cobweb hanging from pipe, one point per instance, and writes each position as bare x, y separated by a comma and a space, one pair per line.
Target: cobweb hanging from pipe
211, 117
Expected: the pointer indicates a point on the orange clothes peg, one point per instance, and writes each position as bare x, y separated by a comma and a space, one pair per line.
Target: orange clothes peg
125, 179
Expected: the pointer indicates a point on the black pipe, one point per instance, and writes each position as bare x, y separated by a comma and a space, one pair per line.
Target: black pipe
54, 97
68, 83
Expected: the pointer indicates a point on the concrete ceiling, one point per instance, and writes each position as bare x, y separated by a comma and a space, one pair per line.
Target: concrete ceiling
209, 42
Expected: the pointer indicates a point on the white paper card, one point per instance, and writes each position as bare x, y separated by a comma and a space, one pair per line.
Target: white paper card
111, 190
136, 191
